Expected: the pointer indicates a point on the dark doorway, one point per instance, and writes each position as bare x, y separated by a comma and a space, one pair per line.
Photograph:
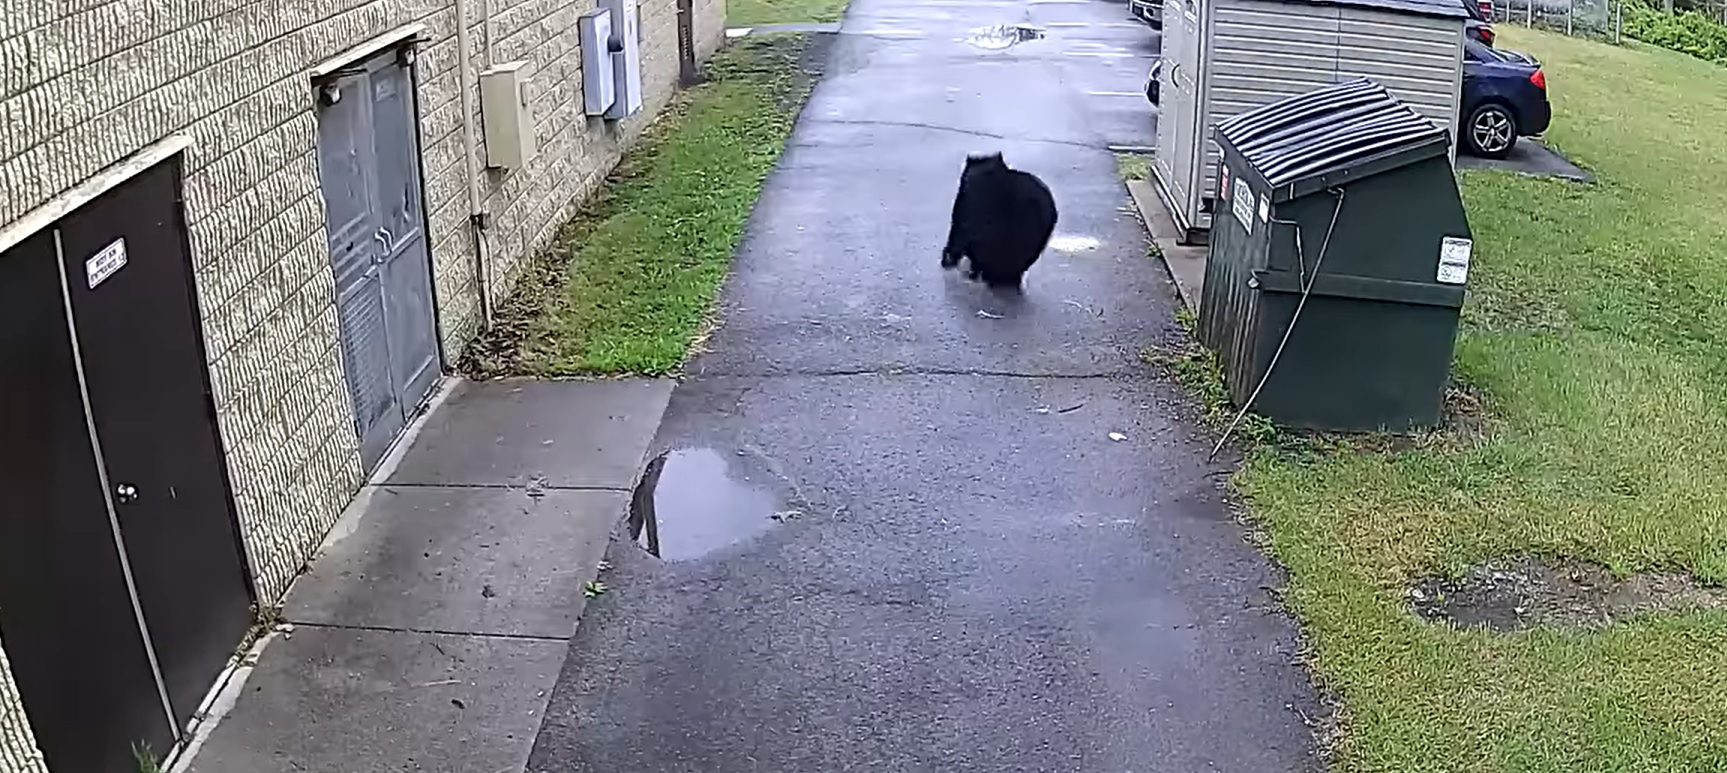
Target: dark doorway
687, 72
65, 612
123, 590
155, 421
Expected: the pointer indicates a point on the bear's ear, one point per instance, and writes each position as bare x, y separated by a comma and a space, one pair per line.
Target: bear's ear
983, 159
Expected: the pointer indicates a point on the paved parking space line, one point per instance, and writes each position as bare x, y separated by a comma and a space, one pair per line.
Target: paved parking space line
1115, 93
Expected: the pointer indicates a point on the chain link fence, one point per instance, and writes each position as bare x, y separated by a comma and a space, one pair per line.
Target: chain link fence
1601, 19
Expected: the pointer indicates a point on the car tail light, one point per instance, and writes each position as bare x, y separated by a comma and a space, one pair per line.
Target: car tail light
1486, 7
1486, 35
1539, 79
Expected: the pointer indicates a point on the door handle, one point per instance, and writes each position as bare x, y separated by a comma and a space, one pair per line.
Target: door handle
126, 493
383, 238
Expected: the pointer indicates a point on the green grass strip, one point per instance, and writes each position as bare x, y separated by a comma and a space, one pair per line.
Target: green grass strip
629, 283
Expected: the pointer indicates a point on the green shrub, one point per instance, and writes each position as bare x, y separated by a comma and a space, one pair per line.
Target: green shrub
1687, 32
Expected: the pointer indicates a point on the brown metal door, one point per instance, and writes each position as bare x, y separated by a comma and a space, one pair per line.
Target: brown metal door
66, 616
686, 42
141, 344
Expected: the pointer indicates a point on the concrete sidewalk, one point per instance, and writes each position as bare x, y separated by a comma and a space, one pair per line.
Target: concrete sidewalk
920, 526
431, 626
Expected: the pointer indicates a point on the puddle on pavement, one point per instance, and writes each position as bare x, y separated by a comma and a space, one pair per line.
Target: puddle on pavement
692, 502
1072, 243
999, 37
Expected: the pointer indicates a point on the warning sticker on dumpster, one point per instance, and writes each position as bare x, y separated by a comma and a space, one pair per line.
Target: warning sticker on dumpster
1242, 206
1454, 260
1264, 207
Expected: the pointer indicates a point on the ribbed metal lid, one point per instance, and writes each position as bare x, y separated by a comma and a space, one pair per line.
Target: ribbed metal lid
1325, 130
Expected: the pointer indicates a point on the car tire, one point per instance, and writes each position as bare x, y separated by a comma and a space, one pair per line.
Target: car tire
1151, 90
1490, 131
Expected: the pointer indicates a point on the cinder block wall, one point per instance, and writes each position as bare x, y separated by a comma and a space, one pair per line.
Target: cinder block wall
17, 745
85, 84
710, 27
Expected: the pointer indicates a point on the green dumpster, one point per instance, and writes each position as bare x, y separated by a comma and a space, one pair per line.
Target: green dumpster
1338, 259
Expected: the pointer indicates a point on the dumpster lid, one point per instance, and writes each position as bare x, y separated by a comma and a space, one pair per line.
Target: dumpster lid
1326, 130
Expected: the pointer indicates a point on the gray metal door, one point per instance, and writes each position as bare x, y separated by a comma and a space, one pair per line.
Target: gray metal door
1190, 125
368, 158
1169, 113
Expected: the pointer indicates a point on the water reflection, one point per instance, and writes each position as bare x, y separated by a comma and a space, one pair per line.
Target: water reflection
1002, 36
691, 503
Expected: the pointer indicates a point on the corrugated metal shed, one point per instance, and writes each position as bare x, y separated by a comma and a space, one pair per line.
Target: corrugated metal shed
1224, 57
1440, 8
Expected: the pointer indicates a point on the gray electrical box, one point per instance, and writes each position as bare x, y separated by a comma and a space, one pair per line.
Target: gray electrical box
507, 115
626, 50
599, 85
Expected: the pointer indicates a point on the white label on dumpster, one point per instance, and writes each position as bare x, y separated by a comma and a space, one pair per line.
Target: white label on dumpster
1242, 205
1265, 207
1454, 260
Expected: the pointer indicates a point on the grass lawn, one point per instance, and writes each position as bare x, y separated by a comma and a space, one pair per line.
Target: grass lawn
628, 286
745, 13
1596, 330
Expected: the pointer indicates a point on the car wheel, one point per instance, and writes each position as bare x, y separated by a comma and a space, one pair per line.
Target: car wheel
1490, 131
1151, 90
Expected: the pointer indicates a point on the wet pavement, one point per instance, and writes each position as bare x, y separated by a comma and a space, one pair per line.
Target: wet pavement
430, 629
905, 524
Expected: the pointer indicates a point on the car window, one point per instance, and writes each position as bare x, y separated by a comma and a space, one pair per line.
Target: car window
1483, 53
1476, 51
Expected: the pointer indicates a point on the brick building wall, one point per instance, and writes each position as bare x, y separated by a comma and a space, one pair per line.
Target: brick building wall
87, 83
17, 745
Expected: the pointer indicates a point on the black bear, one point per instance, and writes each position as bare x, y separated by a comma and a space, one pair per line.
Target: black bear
1002, 220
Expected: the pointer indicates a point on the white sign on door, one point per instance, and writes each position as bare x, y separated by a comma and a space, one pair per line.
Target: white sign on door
104, 264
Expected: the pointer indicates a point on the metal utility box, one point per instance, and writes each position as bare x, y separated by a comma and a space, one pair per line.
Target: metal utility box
506, 115
626, 49
1338, 261
599, 85
1224, 57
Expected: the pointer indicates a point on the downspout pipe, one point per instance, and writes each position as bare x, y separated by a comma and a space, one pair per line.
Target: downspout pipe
470, 160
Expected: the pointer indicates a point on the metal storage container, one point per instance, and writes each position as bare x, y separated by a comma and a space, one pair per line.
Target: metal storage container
1223, 57
1338, 261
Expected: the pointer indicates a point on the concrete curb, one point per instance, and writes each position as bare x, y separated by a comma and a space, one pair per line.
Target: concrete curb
1186, 263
